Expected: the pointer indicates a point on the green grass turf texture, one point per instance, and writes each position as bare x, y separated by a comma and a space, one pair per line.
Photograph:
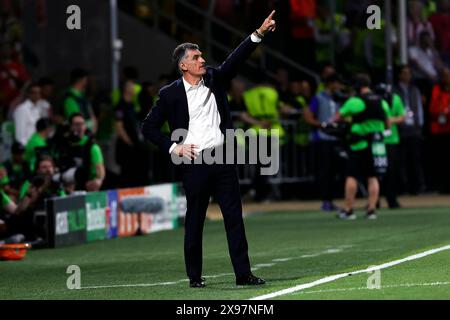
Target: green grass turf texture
315, 245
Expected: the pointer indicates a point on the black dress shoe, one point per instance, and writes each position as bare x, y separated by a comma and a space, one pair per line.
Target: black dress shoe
249, 280
394, 205
197, 283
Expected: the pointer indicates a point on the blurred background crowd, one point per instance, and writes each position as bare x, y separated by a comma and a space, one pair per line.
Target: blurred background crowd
66, 129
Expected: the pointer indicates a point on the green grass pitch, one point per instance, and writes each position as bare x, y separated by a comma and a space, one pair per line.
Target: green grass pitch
286, 248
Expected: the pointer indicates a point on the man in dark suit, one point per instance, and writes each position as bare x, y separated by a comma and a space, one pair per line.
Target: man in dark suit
197, 103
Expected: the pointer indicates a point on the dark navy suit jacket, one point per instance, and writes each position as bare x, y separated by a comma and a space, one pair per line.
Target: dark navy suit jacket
172, 105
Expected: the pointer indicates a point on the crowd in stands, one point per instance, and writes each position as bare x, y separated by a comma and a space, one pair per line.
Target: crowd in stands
55, 151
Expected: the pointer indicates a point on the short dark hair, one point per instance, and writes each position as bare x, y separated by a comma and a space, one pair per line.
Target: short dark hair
334, 77
180, 53
74, 115
361, 80
44, 81
130, 73
44, 157
32, 85
423, 34
17, 147
77, 74
43, 124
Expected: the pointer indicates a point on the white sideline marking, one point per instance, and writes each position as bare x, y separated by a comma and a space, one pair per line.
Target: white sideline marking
282, 259
168, 283
405, 285
135, 285
343, 275
264, 265
254, 268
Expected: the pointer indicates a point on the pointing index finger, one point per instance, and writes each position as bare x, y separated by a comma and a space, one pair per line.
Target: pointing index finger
271, 15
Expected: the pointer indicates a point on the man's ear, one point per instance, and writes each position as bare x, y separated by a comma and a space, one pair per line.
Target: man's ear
183, 66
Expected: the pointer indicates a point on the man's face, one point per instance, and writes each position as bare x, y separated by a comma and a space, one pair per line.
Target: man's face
282, 76
46, 168
296, 88
47, 90
35, 94
446, 76
83, 83
405, 75
306, 89
129, 88
327, 71
335, 86
78, 126
237, 88
193, 64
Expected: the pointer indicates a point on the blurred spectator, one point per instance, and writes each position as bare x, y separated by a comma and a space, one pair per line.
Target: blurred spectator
440, 105
129, 73
390, 182
7, 207
80, 158
38, 141
326, 71
411, 137
28, 113
163, 168
321, 110
14, 171
327, 39
440, 131
13, 76
303, 45
416, 23
425, 60
441, 25
262, 102
32, 200
75, 100
236, 99
130, 154
429, 7
300, 94
47, 90
282, 83
146, 98
238, 109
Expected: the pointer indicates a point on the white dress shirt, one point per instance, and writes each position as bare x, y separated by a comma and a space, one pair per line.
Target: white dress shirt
204, 117
25, 117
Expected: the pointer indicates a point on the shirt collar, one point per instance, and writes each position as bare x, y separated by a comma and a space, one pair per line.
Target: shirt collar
188, 86
31, 103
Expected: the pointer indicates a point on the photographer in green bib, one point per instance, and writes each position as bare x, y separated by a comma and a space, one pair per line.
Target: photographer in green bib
397, 115
368, 114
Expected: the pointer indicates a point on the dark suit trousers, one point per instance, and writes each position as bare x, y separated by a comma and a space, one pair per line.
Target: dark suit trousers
201, 181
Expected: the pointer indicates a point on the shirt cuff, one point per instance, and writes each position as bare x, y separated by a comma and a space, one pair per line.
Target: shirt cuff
172, 147
255, 38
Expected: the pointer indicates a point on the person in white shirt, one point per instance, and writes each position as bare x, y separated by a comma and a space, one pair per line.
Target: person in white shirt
28, 113
425, 59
